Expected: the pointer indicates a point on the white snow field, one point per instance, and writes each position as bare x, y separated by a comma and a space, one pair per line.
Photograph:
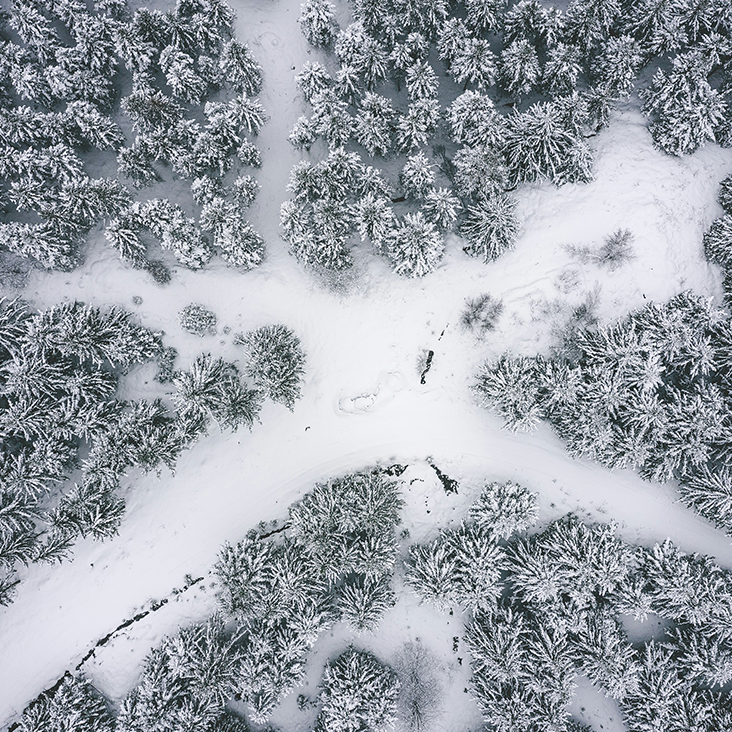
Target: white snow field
362, 401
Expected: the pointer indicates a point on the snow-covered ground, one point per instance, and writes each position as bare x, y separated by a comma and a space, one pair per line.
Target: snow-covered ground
363, 402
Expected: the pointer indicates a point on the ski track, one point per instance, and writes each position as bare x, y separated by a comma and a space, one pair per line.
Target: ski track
362, 400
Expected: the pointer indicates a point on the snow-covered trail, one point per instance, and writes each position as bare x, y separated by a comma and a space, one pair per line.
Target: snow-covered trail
362, 400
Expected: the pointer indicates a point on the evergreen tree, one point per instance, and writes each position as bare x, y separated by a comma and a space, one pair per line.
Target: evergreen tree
375, 122
417, 126
529, 20
415, 246
725, 194
504, 509
490, 226
484, 15
312, 80
318, 23
618, 64
452, 37
512, 387
348, 84
479, 172
421, 81
683, 106
519, 68
375, 219
340, 523
212, 389
358, 694
589, 22
240, 68
440, 207
562, 69
76, 704
718, 241
417, 177
474, 63
331, 118
545, 141
276, 362
362, 601
474, 121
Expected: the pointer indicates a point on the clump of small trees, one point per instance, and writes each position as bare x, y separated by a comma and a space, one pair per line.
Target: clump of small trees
63, 85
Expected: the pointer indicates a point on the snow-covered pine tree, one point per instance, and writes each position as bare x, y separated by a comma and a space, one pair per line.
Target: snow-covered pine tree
474, 63
618, 64
588, 22
347, 525
348, 84
682, 105
375, 219
421, 81
363, 600
606, 656
415, 246
474, 120
452, 37
75, 704
490, 226
519, 68
418, 125
431, 572
561, 70
417, 176
331, 118
546, 142
375, 124
240, 69
725, 194
709, 492
312, 80
276, 362
358, 694
530, 20
505, 508
479, 172
441, 208
484, 16
718, 241
511, 386
212, 389
318, 23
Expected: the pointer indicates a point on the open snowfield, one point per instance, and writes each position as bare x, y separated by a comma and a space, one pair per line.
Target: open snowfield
362, 401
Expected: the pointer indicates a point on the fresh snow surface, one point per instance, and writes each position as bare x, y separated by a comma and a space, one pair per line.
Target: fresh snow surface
364, 336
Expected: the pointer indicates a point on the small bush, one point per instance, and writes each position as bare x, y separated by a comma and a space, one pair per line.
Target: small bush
198, 320
617, 249
166, 362
481, 313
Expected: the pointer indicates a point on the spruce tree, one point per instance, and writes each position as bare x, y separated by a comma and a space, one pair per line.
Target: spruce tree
276, 362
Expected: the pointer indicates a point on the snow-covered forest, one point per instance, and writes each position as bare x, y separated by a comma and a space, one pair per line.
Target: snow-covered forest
365, 366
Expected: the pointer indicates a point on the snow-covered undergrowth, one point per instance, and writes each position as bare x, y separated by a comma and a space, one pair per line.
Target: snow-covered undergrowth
367, 334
